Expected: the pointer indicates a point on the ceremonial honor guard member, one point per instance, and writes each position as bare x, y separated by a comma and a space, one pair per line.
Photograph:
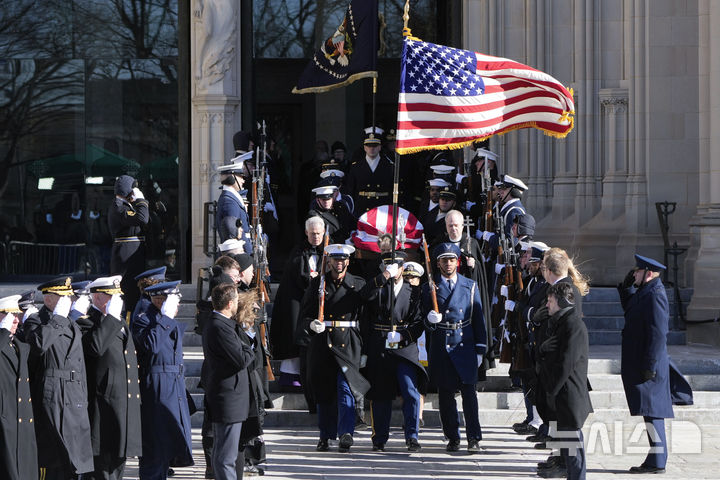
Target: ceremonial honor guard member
338, 221
59, 388
456, 336
393, 366
231, 216
113, 387
335, 346
369, 179
18, 451
645, 366
127, 217
158, 337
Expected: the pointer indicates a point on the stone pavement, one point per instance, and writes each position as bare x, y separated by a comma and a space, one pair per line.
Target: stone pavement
292, 455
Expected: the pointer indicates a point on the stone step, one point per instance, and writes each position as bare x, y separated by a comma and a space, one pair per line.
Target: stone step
612, 323
614, 337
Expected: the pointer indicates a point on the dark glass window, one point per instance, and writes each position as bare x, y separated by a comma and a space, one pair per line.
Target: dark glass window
88, 91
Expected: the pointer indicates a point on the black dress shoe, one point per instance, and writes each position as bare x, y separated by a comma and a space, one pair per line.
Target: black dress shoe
552, 461
346, 442
322, 445
646, 469
209, 473
171, 472
538, 437
519, 425
526, 429
474, 446
252, 470
558, 471
378, 447
541, 446
453, 446
413, 445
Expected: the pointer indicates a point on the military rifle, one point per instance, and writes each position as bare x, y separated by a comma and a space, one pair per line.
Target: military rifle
431, 280
321, 289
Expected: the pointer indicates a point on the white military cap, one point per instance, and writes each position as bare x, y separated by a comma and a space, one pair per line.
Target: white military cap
10, 304
230, 244
378, 131
512, 182
326, 190
485, 153
236, 164
413, 269
438, 182
332, 173
442, 169
339, 250
108, 285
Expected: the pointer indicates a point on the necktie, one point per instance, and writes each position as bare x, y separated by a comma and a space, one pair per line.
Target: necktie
451, 284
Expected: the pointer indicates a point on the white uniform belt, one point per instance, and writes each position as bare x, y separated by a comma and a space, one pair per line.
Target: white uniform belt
340, 323
453, 326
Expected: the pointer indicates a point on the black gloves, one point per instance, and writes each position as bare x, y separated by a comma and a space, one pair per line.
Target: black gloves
648, 375
629, 279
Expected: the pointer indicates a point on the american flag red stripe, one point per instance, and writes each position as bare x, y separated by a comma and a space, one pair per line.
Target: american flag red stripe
377, 221
450, 98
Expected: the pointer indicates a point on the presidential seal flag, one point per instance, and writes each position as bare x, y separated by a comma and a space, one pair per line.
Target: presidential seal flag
450, 98
349, 54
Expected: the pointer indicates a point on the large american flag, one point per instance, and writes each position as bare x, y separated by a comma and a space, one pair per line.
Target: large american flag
451, 97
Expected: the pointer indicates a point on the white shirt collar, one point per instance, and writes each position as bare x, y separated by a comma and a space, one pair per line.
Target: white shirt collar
234, 192
372, 162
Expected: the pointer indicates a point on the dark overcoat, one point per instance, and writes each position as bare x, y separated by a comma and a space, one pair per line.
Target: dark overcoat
228, 360
231, 215
127, 220
286, 307
253, 426
339, 222
644, 347
367, 188
336, 348
164, 410
564, 360
18, 450
408, 322
455, 349
113, 386
59, 392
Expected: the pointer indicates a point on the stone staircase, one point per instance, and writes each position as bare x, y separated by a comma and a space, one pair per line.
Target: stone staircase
499, 404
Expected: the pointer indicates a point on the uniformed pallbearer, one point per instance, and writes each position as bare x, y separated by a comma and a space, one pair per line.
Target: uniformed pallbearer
393, 366
59, 388
645, 366
369, 179
456, 335
18, 451
113, 387
335, 347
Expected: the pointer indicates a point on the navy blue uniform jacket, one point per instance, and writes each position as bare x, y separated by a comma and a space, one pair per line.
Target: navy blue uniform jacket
229, 211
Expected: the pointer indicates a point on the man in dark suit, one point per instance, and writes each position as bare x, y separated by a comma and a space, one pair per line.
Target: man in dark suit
113, 389
645, 366
228, 384
457, 339
18, 451
59, 388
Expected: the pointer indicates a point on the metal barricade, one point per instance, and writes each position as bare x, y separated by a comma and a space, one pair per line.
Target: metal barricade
47, 258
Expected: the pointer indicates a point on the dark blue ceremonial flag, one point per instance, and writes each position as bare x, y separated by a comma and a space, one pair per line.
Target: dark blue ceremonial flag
350, 53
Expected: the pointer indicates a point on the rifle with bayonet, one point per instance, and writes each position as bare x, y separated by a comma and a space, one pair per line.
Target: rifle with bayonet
431, 280
321, 289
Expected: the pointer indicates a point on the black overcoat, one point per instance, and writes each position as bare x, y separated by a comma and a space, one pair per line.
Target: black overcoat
367, 188
228, 360
164, 411
644, 347
408, 322
59, 391
564, 356
286, 307
18, 450
113, 386
339, 222
127, 220
337, 348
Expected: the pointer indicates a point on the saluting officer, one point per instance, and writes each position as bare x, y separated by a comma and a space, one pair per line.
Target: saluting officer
59, 388
335, 347
18, 451
393, 366
457, 341
165, 417
113, 387
645, 366
127, 216
231, 217
369, 180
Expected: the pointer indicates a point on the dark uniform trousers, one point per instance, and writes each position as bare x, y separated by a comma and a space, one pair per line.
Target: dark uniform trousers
658, 455
407, 378
336, 419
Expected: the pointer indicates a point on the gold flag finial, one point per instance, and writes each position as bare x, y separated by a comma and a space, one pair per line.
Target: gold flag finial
406, 19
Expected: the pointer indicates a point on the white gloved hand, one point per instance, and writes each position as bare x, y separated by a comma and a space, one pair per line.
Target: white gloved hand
392, 269
499, 268
269, 207
317, 326
82, 304
363, 361
479, 234
509, 305
137, 194
459, 178
7, 322
504, 291
63, 305
394, 337
115, 305
170, 306
31, 310
479, 360
434, 317
487, 236
469, 205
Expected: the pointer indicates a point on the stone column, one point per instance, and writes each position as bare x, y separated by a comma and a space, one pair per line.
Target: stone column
215, 110
705, 225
